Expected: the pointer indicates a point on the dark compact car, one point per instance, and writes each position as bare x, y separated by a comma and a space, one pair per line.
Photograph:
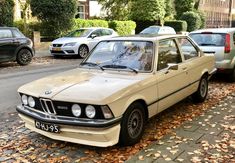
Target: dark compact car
14, 46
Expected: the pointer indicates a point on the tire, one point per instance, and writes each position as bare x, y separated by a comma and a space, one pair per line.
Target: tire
132, 125
83, 51
24, 57
232, 75
202, 91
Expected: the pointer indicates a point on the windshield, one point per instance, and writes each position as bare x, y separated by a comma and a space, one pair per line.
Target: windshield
132, 55
208, 39
79, 33
150, 30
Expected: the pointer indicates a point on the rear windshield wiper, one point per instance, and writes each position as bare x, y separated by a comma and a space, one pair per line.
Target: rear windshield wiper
207, 44
120, 67
92, 64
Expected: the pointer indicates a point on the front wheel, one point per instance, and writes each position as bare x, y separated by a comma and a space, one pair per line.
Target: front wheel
201, 93
132, 126
83, 51
24, 57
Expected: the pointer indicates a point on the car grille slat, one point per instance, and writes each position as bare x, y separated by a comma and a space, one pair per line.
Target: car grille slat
47, 106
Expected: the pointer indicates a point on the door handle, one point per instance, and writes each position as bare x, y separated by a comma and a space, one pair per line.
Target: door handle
184, 68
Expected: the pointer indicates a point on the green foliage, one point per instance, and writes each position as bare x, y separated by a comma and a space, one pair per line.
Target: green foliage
30, 27
182, 6
123, 27
193, 20
203, 18
80, 23
6, 12
169, 9
55, 15
116, 9
178, 25
150, 10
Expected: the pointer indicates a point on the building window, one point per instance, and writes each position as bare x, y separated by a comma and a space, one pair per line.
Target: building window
81, 12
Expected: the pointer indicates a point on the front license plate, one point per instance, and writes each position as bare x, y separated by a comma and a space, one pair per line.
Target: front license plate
56, 49
47, 127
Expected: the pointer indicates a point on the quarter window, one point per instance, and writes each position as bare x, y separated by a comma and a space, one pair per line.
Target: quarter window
5, 33
168, 53
188, 50
106, 32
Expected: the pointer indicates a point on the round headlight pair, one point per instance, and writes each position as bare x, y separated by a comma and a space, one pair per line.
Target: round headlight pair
89, 111
28, 100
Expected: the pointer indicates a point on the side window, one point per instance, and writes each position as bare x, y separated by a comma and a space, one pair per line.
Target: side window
5, 33
168, 53
17, 34
106, 32
97, 33
188, 50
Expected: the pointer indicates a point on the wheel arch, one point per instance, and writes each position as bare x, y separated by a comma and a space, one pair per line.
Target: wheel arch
21, 48
83, 44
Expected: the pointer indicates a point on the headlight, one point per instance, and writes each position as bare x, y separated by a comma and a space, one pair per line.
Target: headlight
31, 102
70, 44
24, 99
107, 112
76, 110
90, 111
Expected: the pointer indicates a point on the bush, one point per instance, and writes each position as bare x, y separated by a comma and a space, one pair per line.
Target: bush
30, 27
123, 27
81, 23
6, 12
193, 20
55, 15
178, 25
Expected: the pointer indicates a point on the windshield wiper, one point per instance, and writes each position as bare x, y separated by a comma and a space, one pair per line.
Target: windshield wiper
120, 67
92, 64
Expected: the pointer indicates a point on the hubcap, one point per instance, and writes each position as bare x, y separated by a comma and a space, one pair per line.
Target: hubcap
203, 87
135, 123
83, 51
26, 57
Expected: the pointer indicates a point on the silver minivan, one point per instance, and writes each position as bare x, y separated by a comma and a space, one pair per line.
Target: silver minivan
221, 43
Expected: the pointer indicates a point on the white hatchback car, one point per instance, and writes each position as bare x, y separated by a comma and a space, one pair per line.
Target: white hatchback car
80, 42
116, 89
221, 43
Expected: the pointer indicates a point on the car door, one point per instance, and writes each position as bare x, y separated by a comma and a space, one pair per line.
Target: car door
194, 62
172, 74
7, 46
94, 38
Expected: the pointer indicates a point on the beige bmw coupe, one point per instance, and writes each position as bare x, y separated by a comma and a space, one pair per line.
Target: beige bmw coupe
116, 89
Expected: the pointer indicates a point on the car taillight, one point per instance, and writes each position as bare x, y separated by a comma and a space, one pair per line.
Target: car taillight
227, 44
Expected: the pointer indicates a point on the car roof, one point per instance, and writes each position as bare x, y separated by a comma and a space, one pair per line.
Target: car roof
143, 37
8, 28
215, 30
95, 28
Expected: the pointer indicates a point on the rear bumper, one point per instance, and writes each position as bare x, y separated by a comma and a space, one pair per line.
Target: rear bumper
224, 65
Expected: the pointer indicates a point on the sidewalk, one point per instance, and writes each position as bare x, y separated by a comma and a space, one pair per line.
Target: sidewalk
208, 138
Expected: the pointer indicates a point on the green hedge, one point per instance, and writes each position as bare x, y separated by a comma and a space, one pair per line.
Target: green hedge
80, 23
123, 27
178, 25
193, 20
29, 28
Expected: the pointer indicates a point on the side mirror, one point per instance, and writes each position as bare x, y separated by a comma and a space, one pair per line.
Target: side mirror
93, 36
173, 66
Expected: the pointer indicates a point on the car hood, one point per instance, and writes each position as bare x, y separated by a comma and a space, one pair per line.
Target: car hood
84, 86
63, 40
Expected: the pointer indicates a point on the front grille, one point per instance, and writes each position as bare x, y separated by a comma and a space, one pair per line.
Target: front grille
47, 106
57, 45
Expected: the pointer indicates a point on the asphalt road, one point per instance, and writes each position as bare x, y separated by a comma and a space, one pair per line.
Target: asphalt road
10, 81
